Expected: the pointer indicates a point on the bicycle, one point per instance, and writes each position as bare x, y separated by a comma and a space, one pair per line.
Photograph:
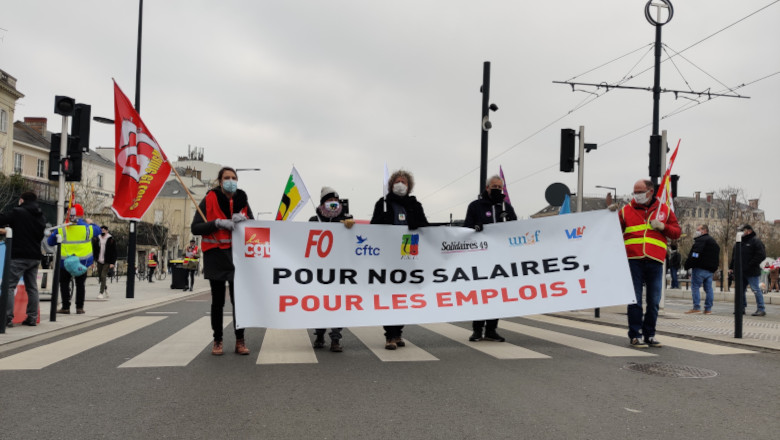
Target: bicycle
160, 275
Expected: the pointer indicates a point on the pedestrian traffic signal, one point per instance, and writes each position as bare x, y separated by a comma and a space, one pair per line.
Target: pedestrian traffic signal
79, 127
655, 156
64, 105
70, 165
567, 149
674, 178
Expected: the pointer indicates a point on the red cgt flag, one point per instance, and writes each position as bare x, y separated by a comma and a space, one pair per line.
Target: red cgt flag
141, 165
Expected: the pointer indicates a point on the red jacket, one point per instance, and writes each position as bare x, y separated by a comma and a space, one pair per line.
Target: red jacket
641, 240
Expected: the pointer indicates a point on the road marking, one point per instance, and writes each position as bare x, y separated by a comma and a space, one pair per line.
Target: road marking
45, 355
162, 313
668, 341
499, 350
286, 347
373, 337
177, 350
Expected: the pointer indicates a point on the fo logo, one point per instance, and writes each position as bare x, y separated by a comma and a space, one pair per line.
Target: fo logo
257, 242
409, 245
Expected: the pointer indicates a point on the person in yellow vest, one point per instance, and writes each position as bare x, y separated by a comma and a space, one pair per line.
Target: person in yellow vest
646, 224
151, 265
191, 262
75, 254
223, 206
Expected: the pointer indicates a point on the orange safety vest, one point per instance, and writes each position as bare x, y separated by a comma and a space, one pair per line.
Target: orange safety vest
641, 240
151, 262
221, 238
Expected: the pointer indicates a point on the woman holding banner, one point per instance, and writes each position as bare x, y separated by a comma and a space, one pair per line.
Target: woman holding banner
398, 208
223, 206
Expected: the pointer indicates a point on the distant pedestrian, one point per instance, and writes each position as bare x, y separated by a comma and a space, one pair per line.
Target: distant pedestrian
151, 265
398, 208
104, 250
28, 223
331, 210
673, 264
774, 275
191, 255
646, 225
703, 260
753, 253
490, 207
223, 206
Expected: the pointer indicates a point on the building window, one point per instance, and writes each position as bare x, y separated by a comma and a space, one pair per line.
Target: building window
3, 121
41, 171
158, 216
17, 163
100, 180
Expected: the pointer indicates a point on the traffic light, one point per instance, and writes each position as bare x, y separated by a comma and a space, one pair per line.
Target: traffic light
674, 178
655, 156
70, 165
79, 127
64, 105
54, 157
567, 149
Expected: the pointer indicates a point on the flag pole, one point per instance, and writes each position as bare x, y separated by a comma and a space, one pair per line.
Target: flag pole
189, 193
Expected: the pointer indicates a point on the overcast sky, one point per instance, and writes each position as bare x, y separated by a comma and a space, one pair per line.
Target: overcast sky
341, 88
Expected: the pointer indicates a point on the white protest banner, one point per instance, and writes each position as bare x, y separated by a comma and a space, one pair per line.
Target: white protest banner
316, 275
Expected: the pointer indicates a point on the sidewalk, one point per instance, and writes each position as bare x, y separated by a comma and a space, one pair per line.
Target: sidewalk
757, 331
145, 295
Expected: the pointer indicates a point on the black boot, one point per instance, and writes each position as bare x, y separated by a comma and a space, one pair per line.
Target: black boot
320, 341
476, 336
335, 346
492, 335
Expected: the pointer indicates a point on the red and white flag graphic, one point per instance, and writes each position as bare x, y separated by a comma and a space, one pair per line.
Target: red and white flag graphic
141, 165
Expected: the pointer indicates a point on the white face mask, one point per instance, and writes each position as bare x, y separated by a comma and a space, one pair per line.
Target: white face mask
399, 189
641, 198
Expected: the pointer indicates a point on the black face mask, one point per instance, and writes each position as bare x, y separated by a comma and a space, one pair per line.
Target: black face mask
496, 195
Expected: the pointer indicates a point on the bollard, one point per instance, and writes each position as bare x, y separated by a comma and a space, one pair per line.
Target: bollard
739, 288
55, 282
4, 286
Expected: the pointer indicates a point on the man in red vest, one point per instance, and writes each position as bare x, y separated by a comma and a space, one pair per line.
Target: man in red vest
646, 224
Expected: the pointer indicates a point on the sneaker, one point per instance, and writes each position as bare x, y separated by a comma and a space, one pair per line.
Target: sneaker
216, 349
399, 342
637, 343
759, 313
106, 293
476, 336
390, 344
79, 311
29, 321
708, 312
100, 296
64, 311
692, 311
319, 342
493, 336
653, 342
9, 323
335, 346
241, 347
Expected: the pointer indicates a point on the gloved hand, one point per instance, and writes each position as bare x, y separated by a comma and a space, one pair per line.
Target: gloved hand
478, 228
657, 225
238, 217
613, 207
223, 223
348, 223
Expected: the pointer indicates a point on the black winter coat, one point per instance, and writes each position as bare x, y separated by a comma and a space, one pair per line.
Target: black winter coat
704, 254
400, 211
110, 254
753, 253
483, 211
28, 223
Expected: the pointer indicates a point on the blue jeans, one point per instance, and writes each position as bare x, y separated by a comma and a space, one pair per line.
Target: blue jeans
701, 277
675, 283
650, 273
753, 282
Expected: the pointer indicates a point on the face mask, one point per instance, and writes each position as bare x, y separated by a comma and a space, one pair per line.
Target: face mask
331, 209
230, 186
496, 195
641, 198
400, 189
332, 206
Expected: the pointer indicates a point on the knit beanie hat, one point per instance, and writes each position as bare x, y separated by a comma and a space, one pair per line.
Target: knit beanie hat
327, 193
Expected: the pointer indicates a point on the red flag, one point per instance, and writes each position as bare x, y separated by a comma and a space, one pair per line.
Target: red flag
141, 165
666, 185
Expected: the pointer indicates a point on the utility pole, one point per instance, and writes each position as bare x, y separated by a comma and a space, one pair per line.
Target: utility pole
132, 236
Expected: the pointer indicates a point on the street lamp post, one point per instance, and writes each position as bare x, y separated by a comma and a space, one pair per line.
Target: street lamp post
614, 190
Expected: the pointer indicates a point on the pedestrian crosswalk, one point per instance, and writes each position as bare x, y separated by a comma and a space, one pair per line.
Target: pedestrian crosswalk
295, 346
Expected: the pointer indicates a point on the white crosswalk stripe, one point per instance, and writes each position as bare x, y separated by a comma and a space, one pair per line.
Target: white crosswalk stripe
286, 347
45, 355
374, 339
178, 350
499, 350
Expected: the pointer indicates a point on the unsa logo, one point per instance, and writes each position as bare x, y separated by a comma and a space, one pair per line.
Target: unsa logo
257, 242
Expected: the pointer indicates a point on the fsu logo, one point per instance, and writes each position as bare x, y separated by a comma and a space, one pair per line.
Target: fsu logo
257, 242
409, 245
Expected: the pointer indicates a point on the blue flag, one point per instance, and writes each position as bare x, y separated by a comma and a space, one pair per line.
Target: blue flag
566, 207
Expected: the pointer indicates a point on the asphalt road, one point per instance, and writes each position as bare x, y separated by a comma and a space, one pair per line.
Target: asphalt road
566, 392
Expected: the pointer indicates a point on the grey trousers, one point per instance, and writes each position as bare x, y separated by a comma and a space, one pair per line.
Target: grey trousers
27, 269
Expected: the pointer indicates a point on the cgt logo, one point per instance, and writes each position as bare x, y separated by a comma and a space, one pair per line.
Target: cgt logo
257, 242
576, 233
409, 245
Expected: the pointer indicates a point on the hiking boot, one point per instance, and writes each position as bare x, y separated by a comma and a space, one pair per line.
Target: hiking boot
29, 321
692, 311
390, 344
319, 342
241, 347
476, 336
216, 349
759, 313
79, 311
653, 342
335, 346
637, 343
492, 335
708, 312
64, 311
399, 342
